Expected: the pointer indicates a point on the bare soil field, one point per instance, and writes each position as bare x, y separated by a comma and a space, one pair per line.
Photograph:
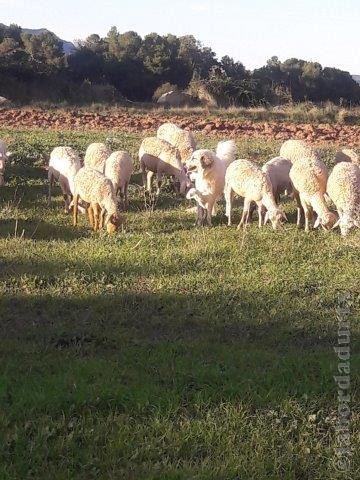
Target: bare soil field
149, 121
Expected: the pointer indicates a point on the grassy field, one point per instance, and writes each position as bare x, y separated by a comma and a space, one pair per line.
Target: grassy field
166, 351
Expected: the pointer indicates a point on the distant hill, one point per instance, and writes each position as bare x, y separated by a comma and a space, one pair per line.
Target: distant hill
356, 78
68, 47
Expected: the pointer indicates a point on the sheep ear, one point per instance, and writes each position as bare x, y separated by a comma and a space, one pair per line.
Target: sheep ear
317, 222
206, 160
336, 224
267, 218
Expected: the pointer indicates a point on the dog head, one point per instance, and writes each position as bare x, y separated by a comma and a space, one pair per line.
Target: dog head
200, 162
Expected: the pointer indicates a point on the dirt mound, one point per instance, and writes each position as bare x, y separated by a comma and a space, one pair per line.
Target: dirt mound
145, 123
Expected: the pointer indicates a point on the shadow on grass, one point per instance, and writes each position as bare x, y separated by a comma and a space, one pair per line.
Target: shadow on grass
41, 230
162, 349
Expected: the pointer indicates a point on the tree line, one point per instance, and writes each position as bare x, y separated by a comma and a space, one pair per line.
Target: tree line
127, 66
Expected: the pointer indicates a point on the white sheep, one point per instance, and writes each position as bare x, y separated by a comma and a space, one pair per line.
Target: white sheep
161, 158
118, 168
278, 170
64, 163
4, 156
309, 177
346, 155
294, 150
343, 187
98, 192
248, 180
207, 169
183, 140
96, 155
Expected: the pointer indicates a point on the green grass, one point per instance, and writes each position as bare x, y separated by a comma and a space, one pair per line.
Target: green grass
166, 351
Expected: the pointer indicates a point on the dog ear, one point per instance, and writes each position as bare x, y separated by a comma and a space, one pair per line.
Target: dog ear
206, 160
191, 193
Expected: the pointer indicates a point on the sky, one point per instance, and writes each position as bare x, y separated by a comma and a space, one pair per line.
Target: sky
250, 31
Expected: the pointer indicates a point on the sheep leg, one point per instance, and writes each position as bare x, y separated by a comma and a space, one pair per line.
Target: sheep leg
90, 213
96, 209
229, 195
102, 218
245, 214
149, 178
121, 195
307, 213
76, 201
299, 207
126, 201
143, 174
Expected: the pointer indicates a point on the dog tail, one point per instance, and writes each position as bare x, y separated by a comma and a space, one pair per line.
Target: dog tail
227, 151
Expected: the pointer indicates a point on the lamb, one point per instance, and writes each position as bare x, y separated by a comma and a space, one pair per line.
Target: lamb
183, 140
207, 169
118, 168
249, 181
98, 192
64, 163
309, 177
295, 150
96, 155
160, 157
343, 187
278, 170
4, 156
346, 155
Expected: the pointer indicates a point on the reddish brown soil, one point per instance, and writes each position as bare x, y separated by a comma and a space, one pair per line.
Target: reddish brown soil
149, 122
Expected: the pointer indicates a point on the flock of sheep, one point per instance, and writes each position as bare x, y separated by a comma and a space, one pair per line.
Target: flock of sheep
100, 185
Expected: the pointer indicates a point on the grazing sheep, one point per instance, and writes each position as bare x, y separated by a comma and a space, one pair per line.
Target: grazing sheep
183, 140
343, 187
309, 177
118, 168
4, 156
98, 192
278, 170
96, 155
346, 155
207, 169
247, 180
295, 150
160, 157
64, 163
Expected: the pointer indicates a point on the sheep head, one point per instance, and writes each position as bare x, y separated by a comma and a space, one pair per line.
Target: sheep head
276, 217
113, 223
327, 220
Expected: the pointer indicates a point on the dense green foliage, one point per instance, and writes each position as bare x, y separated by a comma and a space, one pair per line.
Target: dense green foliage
165, 351
34, 67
